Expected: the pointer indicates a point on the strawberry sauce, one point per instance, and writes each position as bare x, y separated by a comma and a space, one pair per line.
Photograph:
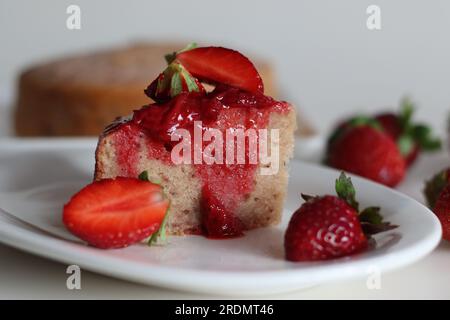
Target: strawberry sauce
225, 186
127, 143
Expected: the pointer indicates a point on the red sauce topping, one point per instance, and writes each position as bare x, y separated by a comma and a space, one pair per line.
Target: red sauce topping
225, 186
126, 143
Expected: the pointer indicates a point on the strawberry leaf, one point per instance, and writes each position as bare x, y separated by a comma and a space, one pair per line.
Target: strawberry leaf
370, 218
176, 86
372, 222
414, 133
190, 46
307, 197
434, 187
174, 80
365, 121
406, 113
423, 136
371, 215
144, 176
189, 80
370, 229
346, 191
170, 57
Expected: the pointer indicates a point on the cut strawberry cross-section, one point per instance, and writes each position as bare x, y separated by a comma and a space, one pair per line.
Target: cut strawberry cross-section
222, 65
114, 213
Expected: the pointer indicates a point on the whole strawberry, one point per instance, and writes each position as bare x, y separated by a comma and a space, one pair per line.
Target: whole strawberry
364, 149
435, 185
328, 227
309, 238
411, 138
442, 211
437, 194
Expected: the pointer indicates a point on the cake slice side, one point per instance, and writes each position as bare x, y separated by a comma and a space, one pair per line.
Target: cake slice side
262, 207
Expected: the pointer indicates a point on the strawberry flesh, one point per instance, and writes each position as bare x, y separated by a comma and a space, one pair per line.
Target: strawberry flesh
222, 65
114, 213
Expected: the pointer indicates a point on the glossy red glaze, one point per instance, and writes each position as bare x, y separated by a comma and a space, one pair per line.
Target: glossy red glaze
224, 185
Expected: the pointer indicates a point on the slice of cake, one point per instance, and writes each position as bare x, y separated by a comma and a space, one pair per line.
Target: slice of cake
221, 156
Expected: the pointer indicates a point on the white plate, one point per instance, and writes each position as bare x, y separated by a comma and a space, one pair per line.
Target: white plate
247, 265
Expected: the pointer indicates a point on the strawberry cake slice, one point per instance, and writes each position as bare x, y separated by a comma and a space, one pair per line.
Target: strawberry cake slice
221, 156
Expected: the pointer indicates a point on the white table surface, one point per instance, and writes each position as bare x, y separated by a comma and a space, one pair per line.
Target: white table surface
24, 276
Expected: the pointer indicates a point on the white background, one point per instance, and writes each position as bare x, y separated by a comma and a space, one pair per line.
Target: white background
327, 61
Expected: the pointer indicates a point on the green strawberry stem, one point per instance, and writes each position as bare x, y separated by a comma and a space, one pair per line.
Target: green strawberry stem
371, 215
370, 218
174, 80
406, 113
364, 121
434, 187
370, 229
170, 57
158, 237
346, 191
144, 176
414, 132
174, 76
306, 197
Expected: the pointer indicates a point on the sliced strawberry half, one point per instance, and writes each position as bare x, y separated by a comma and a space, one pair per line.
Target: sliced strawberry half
114, 213
222, 65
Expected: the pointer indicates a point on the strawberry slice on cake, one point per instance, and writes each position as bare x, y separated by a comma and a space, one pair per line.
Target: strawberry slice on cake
220, 156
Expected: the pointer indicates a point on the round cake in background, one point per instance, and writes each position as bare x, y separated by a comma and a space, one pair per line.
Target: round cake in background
81, 95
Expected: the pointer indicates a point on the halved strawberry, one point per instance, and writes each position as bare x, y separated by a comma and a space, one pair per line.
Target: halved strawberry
222, 65
114, 213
